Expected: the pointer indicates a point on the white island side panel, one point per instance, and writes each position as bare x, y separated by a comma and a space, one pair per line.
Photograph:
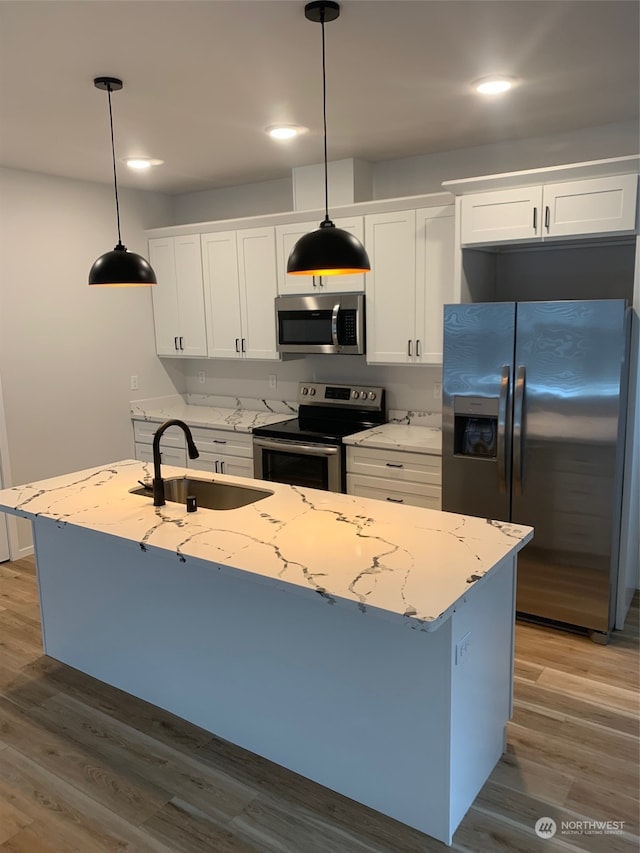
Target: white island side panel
357, 703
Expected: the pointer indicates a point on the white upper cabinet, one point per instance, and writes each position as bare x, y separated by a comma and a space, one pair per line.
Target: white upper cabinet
412, 277
222, 294
240, 288
286, 238
605, 205
178, 297
390, 287
435, 247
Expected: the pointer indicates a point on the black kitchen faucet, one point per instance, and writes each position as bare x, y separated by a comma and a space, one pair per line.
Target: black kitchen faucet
158, 482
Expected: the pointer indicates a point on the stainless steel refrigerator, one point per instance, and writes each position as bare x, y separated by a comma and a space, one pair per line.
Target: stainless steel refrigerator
534, 406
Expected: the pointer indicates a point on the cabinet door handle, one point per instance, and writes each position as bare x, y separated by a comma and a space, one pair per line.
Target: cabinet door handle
418, 348
244, 345
535, 219
394, 464
409, 348
547, 217
181, 339
396, 500
237, 344
222, 467
175, 343
216, 466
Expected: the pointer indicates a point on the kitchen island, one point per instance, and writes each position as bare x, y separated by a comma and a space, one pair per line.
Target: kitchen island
366, 646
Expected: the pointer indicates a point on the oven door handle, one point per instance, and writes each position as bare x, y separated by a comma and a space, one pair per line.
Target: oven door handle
309, 449
334, 324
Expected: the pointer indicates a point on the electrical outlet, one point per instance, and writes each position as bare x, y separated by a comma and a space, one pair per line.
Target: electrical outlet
437, 390
201, 377
463, 648
273, 381
134, 383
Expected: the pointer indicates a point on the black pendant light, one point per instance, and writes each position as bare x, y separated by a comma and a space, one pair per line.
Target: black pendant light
119, 268
329, 250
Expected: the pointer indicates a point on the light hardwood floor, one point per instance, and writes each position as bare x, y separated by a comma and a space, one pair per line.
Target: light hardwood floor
85, 767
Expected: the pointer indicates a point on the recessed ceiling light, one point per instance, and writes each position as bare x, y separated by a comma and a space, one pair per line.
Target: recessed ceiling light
494, 85
285, 131
141, 164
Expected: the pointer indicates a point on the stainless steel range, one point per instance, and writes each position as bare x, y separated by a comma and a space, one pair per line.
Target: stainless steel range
308, 451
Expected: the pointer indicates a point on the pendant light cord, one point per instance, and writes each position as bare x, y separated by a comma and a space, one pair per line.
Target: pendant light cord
115, 177
324, 122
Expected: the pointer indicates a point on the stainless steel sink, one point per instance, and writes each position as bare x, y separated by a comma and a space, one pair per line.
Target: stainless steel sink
208, 494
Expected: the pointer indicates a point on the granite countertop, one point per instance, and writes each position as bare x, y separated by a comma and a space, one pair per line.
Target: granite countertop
393, 436
404, 563
214, 412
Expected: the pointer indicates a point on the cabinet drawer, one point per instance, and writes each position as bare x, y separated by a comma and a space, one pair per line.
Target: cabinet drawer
168, 455
411, 494
397, 465
221, 441
143, 432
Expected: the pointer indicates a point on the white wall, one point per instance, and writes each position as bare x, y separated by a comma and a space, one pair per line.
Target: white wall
231, 202
424, 174
67, 351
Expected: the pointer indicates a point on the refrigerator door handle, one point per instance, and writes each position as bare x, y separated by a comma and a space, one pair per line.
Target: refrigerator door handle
502, 428
518, 403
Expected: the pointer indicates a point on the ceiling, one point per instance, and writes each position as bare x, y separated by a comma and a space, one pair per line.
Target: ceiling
203, 79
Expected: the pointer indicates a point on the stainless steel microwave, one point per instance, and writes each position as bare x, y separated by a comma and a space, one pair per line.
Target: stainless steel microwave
321, 323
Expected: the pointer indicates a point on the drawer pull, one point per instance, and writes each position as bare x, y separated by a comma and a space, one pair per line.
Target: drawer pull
219, 441
394, 464
396, 500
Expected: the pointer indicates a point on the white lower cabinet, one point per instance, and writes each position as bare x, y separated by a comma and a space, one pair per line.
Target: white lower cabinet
218, 463
221, 451
396, 476
168, 455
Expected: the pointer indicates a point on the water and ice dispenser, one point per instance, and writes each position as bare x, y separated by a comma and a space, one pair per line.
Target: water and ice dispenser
475, 427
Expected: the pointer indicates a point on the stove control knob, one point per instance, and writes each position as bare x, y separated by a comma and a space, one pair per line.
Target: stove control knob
312, 392
372, 395
355, 394
363, 395
305, 391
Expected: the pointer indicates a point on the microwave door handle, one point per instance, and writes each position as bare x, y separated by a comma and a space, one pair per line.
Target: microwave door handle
334, 324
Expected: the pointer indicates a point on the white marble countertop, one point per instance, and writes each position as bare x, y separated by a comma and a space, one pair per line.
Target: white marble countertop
415, 439
236, 416
402, 562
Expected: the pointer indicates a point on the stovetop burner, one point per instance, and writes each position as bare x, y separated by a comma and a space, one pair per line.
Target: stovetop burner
327, 413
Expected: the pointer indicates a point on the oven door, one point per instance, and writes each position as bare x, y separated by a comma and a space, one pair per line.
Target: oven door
315, 466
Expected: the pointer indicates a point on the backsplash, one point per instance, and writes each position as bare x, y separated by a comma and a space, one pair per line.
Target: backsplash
252, 404
432, 420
